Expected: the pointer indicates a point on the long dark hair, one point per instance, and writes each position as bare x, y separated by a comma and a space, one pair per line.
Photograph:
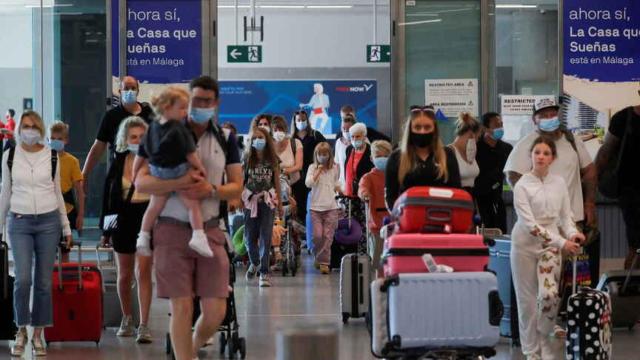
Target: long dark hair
294, 128
268, 154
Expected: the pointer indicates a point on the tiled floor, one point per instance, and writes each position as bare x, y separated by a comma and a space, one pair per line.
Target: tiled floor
309, 297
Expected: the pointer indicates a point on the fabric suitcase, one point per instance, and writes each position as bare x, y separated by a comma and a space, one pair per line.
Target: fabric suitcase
443, 311
463, 252
77, 303
354, 286
431, 209
500, 264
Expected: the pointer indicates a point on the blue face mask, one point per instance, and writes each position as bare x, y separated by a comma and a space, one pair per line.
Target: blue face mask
302, 125
202, 115
259, 144
57, 145
133, 148
129, 97
380, 163
549, 125
498, 133
358, 144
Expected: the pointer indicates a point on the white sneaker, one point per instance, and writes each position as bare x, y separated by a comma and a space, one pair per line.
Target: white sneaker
251, 272
200, 244
127, 329
143, 244
264, 281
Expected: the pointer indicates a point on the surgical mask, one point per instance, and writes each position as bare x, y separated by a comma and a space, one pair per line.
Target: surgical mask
302, 125
259, 144
471, 149
322, 159
421, 140
278, 136
380, 163
346, 135
57, 145
30, 136
358, 144
129, 97
549, 125
133, 148
498, 133
202, 115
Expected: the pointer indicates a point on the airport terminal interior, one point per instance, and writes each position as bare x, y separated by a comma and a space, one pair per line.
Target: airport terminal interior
353, 73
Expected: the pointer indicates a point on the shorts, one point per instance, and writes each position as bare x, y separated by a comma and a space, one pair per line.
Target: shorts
180, 271
169, 173
129, 222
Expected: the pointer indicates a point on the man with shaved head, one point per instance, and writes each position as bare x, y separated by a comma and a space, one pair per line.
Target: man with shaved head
129, 105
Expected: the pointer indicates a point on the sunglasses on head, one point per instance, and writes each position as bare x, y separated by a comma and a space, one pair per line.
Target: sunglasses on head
422, 109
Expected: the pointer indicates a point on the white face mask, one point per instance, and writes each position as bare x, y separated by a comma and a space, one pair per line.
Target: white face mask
471, 150
278, 136
30, 136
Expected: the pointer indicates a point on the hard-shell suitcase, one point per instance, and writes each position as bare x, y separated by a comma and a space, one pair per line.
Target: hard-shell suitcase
424, 209
355, 270
421, 313
589, 324
500, 264
463, 252
112, 312
77, 303
623, 287
7, 326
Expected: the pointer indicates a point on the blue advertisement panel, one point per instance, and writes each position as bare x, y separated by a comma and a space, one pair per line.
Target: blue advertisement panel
242, 100
602, 40
164, 40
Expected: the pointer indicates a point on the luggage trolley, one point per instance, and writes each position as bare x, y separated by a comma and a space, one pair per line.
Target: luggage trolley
229, 338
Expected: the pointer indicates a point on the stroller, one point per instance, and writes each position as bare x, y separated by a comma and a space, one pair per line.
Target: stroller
287, 246
229, 337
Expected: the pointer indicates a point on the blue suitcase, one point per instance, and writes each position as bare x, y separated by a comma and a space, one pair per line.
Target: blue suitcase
426, 313
500, 263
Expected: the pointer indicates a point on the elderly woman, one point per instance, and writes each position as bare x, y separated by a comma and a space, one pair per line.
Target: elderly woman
121, 197
358, 159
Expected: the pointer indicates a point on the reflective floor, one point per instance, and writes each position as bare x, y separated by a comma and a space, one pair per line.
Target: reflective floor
308, 297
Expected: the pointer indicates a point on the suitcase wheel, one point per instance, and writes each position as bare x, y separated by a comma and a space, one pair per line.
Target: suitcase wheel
232, 344
242, 347
223, 343
345, 318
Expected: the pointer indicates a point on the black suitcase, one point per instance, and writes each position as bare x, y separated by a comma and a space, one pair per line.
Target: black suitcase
7, 326
623, 288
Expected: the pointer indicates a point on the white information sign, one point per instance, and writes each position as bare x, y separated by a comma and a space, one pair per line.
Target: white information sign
520, 104
452, 96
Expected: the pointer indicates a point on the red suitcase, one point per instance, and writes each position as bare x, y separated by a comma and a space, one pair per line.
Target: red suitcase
424, 209
77, 303
463, 252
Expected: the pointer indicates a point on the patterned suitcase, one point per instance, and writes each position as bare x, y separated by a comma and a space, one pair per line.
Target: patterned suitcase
424, 209
421, 313
463, 252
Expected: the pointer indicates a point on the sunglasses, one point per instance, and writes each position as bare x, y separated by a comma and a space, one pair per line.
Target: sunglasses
422, 109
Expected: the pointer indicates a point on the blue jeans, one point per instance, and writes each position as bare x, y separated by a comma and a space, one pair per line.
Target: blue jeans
259, 230
33, 235
169, 173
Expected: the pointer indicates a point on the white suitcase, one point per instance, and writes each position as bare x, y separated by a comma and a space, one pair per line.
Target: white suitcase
355, 272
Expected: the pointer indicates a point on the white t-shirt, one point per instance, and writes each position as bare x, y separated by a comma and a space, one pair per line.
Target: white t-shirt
323, 191
567, 165
340, 157
288, 159
468, 171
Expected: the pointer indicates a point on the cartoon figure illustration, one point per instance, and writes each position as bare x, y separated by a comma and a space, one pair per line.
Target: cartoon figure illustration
319, 104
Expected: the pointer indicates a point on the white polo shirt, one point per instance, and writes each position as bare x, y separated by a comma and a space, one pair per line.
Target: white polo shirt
567, 165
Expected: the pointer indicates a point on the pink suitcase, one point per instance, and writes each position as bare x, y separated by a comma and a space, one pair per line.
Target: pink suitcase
463, 252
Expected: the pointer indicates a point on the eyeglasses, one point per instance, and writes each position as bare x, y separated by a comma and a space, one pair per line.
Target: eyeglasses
422, 109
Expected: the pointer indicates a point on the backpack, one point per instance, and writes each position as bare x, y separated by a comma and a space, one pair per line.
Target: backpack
54, 161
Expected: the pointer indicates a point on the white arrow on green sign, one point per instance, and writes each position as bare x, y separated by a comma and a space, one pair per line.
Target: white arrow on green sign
244, 53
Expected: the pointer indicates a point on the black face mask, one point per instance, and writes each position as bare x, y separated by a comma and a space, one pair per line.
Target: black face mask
421, 140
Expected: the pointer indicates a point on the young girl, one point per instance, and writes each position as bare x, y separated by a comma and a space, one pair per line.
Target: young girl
371, 188
261, 197
323, 177
544, 212
171, 151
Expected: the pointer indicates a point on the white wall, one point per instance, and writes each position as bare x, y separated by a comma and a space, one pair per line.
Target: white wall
16, 61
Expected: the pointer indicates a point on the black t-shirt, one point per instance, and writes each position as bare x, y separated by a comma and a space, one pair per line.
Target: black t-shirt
309, 143
491, 161
260, 177
167, 145
112, 119
629, 170
425, 174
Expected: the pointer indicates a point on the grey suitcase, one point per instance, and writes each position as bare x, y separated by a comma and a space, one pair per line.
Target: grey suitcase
623, 287
112, 313
355, 272
432, 312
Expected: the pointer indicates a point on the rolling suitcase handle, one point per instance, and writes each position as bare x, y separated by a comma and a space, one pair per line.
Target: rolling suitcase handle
61, 285
633, 265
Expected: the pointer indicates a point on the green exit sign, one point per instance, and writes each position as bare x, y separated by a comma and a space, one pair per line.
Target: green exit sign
378, 53
244, 53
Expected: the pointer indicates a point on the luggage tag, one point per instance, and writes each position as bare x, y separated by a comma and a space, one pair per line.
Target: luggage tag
433, 267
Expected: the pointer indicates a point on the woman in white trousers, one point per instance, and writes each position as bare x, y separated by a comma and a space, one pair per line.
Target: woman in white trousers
539, 236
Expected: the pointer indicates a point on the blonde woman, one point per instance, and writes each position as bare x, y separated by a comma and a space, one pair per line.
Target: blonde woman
422, 159
464, 145
32, 205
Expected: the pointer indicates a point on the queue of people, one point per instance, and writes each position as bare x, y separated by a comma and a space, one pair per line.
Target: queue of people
173, 168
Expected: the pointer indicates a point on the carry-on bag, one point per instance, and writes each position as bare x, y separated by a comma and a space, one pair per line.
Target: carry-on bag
77, 302
589, 323
112, 312
500, 264
7, 325
425, 209
463, 252
422, 313
623, 288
